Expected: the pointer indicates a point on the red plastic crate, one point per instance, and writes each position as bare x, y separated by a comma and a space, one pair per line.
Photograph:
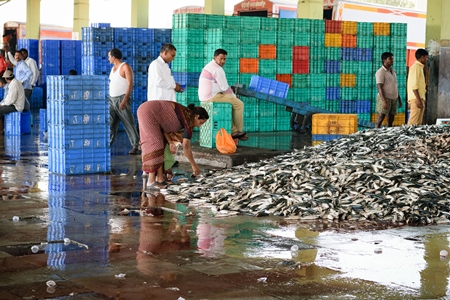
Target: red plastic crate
300, 66
333, 26
300, 52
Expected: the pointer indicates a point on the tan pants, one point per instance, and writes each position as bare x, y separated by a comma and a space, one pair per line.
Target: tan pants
238, 110
415, 113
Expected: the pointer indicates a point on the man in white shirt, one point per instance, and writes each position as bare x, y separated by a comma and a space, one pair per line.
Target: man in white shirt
31, 63
14, 101
161, 84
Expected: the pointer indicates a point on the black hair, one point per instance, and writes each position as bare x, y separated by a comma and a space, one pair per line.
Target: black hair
114, 52
23, 50
167, 47
386, 55
3, 80
220, 51
200, 111
421, 52
73, 72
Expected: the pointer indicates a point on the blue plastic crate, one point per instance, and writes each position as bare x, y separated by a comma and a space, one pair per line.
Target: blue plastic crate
332, 66
325, 137
269, 86
17, 123
43, 119
348, 106
163, 36
364, 54
78, 136
37, 98
332, 93
363, 106
124, 35
79, 161
349, 54
32, 46
93, 34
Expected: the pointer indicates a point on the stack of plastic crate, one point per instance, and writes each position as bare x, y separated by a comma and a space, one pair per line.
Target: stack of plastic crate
144, 55
32, 46
51, 62
78, 124
68, 197
160, 37
96, 43
188, 36
398, 48
70, 56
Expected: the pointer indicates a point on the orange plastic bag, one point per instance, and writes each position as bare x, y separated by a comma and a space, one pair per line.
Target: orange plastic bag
224, 142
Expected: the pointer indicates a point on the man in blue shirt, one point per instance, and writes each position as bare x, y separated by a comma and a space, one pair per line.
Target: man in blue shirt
22, 72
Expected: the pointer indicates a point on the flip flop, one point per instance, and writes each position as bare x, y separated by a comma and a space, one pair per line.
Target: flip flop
156, 186
238, 135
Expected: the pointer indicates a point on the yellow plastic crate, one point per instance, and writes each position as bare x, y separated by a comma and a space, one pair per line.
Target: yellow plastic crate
334, 123
349, 27
348, 80
333, 40
381, 28
315, 143
399, 119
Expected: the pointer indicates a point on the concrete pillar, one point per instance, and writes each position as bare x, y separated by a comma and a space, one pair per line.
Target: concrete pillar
310, 9
139, 13
214, 7
33, 19
438, 24
80, 17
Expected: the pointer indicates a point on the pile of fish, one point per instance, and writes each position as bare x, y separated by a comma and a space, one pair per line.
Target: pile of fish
399, 175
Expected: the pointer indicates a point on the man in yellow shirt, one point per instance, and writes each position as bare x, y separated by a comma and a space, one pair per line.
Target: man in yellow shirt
417, 88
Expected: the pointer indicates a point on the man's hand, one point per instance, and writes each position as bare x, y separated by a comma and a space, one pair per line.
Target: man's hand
385, 106
178, 88
6, 48
123, 104
419, 103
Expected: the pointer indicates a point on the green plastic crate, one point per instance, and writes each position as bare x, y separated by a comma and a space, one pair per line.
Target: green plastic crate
219, 117
365, 81
267, 66
245, 78
317, 95
249, 50
250, 23
285, 38
222, 36
233, 50
317, 53
269, 24
268, 37
190, 95
301, 94
364, 28
284, 52
333, 53
333, 80
188, 35
233, 23
266, 109
232, 78
300, 80
365, 67
266, 124
317, 80
214, 21
348, 93
363, 93
284, 66
317, 40
286, 25
249, 37
190, 50
381, 42
317, 26
364, 41
316, 66
188, 21
348, 67
231, 66
333, 106
302, 25
364, 117
188, 65
301, 38
398, 29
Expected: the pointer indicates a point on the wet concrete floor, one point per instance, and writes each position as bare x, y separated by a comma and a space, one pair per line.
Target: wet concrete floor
93, 241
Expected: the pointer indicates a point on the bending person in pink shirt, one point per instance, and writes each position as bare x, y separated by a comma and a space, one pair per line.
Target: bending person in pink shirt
213, 87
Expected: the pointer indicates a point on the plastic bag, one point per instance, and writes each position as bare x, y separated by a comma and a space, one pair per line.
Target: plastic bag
224, 142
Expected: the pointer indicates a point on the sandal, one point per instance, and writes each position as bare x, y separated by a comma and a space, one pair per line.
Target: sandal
156, 186
238, 135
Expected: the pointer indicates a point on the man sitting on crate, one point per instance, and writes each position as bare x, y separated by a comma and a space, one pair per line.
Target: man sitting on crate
213, 87
14, 101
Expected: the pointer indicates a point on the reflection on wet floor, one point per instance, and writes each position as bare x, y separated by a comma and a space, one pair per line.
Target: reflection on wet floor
100, 236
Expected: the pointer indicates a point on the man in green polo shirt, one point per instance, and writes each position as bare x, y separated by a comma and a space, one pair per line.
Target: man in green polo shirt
387, 85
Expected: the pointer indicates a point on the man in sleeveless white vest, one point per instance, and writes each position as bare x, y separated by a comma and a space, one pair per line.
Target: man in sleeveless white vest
120, 87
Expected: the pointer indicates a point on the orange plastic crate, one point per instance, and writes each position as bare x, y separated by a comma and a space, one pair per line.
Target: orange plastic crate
248, 65
286, 78
267, 51
348, 41
348, 80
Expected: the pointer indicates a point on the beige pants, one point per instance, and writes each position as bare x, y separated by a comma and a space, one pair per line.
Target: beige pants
415, 113
238, 110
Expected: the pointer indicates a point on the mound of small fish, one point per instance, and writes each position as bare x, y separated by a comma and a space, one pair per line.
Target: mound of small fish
399, 175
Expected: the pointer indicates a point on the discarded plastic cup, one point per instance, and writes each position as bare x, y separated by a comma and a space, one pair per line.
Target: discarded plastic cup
15, 219
294, 248
66, 241
443, 253
35, 249
51, 283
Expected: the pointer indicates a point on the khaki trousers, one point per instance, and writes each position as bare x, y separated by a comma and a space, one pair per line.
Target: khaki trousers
415, 113
237, 112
